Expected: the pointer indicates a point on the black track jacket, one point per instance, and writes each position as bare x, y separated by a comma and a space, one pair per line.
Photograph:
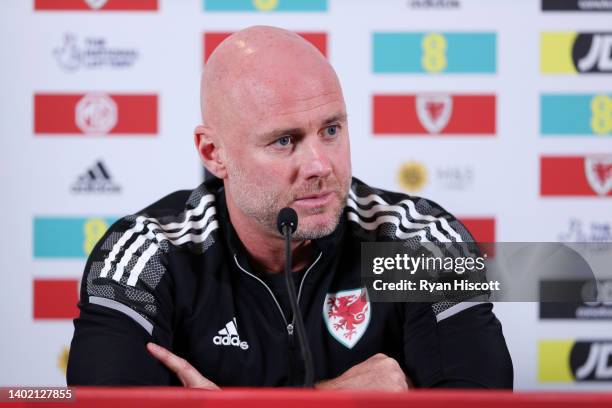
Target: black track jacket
176, 274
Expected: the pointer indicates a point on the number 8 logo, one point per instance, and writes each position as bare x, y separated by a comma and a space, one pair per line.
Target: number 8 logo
265, 5
434, 53
601, 120
93, 230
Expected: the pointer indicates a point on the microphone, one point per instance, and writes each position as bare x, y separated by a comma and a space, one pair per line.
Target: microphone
287, 222
287, 217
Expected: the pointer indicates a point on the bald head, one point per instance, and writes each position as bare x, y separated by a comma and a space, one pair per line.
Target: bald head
275, 130
260, 70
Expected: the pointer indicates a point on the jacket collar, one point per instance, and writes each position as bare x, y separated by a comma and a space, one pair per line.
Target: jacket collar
328, 245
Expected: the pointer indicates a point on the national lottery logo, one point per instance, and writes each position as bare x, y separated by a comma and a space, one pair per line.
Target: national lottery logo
576, 115
595, 232
434, 52
92, 53
572, 53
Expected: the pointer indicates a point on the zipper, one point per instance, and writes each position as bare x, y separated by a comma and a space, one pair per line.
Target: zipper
304, 277
288, 326
269, 291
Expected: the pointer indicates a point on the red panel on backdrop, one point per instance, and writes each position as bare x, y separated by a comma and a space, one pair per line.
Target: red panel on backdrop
434, 114
482, 229
95, 113
92, 5
55, 298
576, 176
212, 40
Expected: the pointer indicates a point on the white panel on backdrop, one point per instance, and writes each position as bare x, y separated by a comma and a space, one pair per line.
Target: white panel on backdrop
160, 53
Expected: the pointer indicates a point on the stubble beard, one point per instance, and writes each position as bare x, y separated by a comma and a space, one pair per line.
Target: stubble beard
263, 205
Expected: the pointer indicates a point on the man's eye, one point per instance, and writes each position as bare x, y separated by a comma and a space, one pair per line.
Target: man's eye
283, 141
331, 130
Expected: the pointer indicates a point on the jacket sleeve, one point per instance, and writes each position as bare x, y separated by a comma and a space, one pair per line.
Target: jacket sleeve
458, 345
125, 302
462, 341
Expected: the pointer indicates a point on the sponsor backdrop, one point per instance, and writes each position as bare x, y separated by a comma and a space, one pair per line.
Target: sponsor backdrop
500, 111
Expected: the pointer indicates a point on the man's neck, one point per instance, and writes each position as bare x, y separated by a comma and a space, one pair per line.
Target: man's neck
266, 250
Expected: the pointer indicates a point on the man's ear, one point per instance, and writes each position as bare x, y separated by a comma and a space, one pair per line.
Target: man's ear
209, 151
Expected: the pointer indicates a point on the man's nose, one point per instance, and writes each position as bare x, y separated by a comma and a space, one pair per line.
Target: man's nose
315, 161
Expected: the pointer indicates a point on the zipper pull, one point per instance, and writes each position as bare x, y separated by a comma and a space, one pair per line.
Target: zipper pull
290, 329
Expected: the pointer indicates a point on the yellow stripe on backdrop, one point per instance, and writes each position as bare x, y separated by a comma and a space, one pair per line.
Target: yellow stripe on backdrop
556, 52
554, 360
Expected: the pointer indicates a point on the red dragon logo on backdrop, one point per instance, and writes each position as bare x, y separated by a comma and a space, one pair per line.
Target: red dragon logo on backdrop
598, 171
434, 111
347, 315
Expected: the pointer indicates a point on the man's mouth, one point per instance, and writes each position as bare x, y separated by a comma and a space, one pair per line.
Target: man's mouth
315, 200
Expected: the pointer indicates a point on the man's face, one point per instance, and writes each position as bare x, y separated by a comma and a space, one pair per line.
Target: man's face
290, 148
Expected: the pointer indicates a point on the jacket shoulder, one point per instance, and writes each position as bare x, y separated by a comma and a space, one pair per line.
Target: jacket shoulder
381, 215
129, 265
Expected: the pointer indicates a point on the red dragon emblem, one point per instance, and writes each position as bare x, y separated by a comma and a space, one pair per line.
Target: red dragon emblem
347, 315
598, 171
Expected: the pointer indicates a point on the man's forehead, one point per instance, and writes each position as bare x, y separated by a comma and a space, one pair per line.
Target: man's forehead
262, 98
293, 124
282, 74
298, 112
282, 85
318, 105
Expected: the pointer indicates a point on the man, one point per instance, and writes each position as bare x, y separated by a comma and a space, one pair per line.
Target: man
189, 290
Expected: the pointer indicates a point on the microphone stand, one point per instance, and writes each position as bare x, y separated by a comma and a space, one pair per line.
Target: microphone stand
297, 315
